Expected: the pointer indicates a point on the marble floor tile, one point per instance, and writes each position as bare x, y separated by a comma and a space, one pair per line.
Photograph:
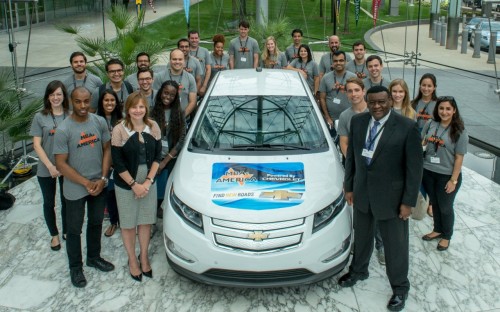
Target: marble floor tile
464, 278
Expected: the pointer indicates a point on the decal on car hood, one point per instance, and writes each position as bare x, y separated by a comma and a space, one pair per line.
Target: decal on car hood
258, 186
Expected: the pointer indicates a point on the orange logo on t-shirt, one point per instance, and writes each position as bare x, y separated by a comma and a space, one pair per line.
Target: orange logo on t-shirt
87, 139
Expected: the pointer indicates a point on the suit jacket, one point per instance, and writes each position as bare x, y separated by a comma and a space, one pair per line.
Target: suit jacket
395, 172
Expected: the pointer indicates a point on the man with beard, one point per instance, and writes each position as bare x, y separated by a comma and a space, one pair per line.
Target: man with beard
333, 97
325, 64
203, 55
80, 77
142, 60
358, 64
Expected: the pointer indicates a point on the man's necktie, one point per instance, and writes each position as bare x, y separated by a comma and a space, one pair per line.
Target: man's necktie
370, 142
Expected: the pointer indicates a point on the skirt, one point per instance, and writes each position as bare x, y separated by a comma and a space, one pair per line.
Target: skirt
136, 211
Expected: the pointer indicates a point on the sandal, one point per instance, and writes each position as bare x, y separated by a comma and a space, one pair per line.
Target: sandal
110, 230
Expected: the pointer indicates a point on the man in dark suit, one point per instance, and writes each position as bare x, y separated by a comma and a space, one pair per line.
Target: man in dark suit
382, 177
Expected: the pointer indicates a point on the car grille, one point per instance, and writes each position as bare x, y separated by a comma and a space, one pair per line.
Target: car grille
258, 237
247, 277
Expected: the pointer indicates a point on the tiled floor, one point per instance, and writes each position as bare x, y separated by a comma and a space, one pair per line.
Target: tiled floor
465, 278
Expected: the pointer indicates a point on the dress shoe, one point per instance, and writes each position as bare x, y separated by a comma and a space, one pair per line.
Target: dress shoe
77, 278
441, 247
428, 237
350, 279
148, 273
137, 278
100, 264
397, 302
56, 247
381, 256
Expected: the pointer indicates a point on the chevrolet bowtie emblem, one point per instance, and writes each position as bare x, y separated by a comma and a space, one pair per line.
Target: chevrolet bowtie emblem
258, 236
280, 195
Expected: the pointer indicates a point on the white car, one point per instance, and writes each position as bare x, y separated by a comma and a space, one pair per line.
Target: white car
255, 198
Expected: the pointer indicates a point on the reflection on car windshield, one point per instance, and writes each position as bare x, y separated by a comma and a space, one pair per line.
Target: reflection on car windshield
494, 26
266, 123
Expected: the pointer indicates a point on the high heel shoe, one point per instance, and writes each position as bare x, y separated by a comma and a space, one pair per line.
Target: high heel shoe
135, 277
148, 273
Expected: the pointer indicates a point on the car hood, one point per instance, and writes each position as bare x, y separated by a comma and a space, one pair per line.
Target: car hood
259, 188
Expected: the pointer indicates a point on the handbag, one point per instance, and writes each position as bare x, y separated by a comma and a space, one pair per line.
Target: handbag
420, 210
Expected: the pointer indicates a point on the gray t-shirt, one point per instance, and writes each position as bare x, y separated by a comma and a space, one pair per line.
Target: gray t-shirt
441, 148
193, 67
360, 70
292, 53
424, 112
219, 64
368, 83
326, 62
203, 56
83, 142
243, 51
122, 95
336, 99
91, 82
186, 82
45, 127
277, 62
311, 68
345, 121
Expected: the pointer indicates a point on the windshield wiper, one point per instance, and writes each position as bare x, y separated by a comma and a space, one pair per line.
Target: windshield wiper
267, 146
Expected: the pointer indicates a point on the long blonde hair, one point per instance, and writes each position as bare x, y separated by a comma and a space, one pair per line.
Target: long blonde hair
406, 109
266, 56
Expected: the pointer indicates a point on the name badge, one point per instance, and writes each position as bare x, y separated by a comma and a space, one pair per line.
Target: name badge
336, 101
435, 160
367, 153
243, 59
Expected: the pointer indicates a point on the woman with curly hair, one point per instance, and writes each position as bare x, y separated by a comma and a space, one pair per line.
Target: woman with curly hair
220, 60
167, 112
445, 140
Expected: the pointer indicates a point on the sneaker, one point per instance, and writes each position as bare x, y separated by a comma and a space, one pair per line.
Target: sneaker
100, 264
381, 256
77, 278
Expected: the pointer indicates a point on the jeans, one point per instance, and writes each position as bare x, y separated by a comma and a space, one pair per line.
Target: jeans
442, 202
48, 188
74, 217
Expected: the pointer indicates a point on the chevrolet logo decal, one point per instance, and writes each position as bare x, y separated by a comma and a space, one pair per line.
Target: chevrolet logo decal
280, 195
258, 236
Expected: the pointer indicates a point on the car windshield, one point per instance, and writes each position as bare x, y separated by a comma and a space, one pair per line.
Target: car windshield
258, 123
495, 26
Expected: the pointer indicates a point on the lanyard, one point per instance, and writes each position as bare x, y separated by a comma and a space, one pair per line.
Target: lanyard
371, 140
438, 139
422, 114
356, 67
54, 119
178, 82
243, 48
84, 81
341, 81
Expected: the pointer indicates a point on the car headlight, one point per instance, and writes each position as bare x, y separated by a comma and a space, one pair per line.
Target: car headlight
323, 217
192, 217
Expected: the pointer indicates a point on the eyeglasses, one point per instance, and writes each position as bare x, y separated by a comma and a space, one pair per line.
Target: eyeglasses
116, 71
145, 79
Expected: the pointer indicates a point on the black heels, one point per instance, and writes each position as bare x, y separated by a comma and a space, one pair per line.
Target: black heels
148, 273
56, 247
137, 278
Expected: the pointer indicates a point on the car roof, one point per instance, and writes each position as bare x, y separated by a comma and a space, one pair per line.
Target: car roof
259, 82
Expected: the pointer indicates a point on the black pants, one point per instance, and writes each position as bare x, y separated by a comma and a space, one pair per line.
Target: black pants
74, 217
442, 202
395, 235
48, 188
114, 217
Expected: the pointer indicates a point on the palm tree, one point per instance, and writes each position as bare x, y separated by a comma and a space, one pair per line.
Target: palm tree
129, 41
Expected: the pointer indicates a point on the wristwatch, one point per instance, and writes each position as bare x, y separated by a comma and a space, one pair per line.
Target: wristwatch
152, 180
453, 181
105, 180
